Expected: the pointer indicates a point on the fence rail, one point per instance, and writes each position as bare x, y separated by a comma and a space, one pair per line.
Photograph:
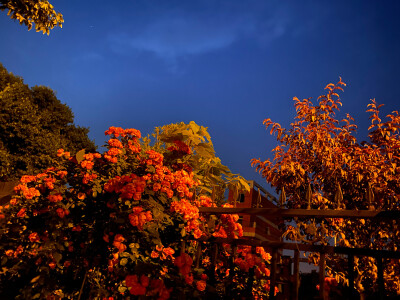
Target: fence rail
280, 213
304, 213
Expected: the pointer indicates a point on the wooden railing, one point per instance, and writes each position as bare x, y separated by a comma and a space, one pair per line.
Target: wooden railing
280, 214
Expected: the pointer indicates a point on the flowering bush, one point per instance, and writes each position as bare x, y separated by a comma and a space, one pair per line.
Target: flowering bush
122, 223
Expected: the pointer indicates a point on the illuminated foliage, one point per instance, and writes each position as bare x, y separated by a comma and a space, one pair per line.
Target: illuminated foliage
125, 223
28, 12
319, 155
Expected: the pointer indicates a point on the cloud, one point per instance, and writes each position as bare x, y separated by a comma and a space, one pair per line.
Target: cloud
180, 36
176, 33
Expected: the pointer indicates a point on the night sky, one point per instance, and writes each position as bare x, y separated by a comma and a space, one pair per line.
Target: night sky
226, 65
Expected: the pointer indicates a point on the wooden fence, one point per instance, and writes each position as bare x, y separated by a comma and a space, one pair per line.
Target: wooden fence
280, 214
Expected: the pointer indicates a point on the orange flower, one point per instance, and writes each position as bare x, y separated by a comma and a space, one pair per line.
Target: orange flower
21, 213
52, 265
27, 179
138, 218
189, 279
54, 198
184, 263
114, 143
118, 243
169, 251
34, 237
77, 228
60, 152
87, 164
61, 212
31, 192
137, 288
201, 285
62, 174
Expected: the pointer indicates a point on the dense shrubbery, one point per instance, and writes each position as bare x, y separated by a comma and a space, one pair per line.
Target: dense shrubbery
125, 222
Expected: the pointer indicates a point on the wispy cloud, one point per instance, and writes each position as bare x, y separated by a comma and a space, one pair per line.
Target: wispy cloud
179, 33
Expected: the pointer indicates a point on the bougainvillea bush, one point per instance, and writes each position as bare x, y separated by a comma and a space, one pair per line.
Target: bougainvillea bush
125, 223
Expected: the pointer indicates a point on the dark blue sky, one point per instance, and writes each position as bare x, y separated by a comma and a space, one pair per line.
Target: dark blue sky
227, 65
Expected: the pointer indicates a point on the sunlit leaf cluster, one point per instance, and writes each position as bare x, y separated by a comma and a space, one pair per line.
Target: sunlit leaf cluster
29, 12
319, 155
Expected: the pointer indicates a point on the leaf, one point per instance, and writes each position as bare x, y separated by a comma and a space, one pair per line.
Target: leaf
34, 279
57, 257
123, 261
79, 156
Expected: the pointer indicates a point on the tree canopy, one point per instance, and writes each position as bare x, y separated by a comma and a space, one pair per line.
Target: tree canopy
319, 157
33, 125
28, 12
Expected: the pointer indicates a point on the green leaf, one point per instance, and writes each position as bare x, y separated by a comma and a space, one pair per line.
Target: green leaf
34, 279
79, 156
123, 261
57, 257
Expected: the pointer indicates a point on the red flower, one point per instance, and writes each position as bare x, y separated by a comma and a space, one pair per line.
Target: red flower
136, 288
21, 213
118, 243
201, 285
34, 237
52, 265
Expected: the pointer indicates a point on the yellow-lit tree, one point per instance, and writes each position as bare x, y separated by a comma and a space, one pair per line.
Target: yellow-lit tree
38, 12
320, 155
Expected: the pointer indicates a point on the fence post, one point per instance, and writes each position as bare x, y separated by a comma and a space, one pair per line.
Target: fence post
213, 263
231, 264
381, 284
322, 276
198, 254
309, 196
296, 279
350, 264
272, 277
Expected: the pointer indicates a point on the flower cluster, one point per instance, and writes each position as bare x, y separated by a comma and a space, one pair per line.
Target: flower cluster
144, 286
138, 218
163, 253
88, 161
180, 147
190, 214
129, 187
184, 263
229, 228
118, 242
103, 216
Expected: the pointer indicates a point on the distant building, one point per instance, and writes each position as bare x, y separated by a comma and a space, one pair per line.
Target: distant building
256, 226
